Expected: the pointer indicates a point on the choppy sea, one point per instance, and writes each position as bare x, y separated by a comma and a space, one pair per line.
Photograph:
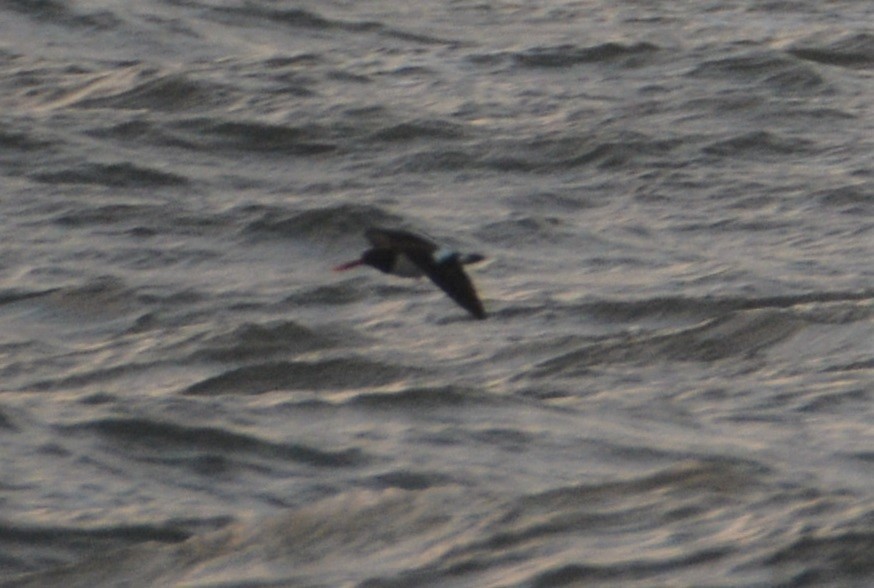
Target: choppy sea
674, 387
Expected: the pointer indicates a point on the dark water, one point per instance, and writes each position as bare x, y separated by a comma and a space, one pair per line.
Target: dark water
674, 387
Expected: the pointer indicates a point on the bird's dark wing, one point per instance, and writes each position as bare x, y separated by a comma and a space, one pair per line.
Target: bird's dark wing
398, 239
450, 277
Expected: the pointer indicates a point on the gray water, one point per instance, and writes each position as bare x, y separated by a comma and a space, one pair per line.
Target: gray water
673, 388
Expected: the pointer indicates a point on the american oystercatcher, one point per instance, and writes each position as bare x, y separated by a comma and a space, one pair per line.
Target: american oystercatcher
408, 255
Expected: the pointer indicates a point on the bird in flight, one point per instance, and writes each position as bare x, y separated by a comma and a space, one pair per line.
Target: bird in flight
407, 255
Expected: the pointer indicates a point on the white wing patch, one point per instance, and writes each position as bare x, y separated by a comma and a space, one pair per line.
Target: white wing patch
443, 255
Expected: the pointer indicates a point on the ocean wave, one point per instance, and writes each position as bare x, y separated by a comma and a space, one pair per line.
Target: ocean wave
759, 144
695, 520
311, 20
113, 535
114, 175
740, 335
7, 422
743, 67
414, 398
257, 137
159, 440
834, 557
524, 229
412, 479
301, 375
12, 295
107, 214
250, 341
850, 198
103, 296
633, 310
54, 12
324, 224
851, 51
328, 294
145, 89
23, 140
571, 55
215, 133
539, 155
419, 130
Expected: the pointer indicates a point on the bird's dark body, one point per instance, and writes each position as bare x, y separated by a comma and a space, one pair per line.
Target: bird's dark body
406, 254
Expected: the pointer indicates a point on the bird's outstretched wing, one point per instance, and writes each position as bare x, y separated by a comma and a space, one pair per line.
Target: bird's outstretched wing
449, 276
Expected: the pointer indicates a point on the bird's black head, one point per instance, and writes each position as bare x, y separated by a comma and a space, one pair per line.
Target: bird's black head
381, 259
